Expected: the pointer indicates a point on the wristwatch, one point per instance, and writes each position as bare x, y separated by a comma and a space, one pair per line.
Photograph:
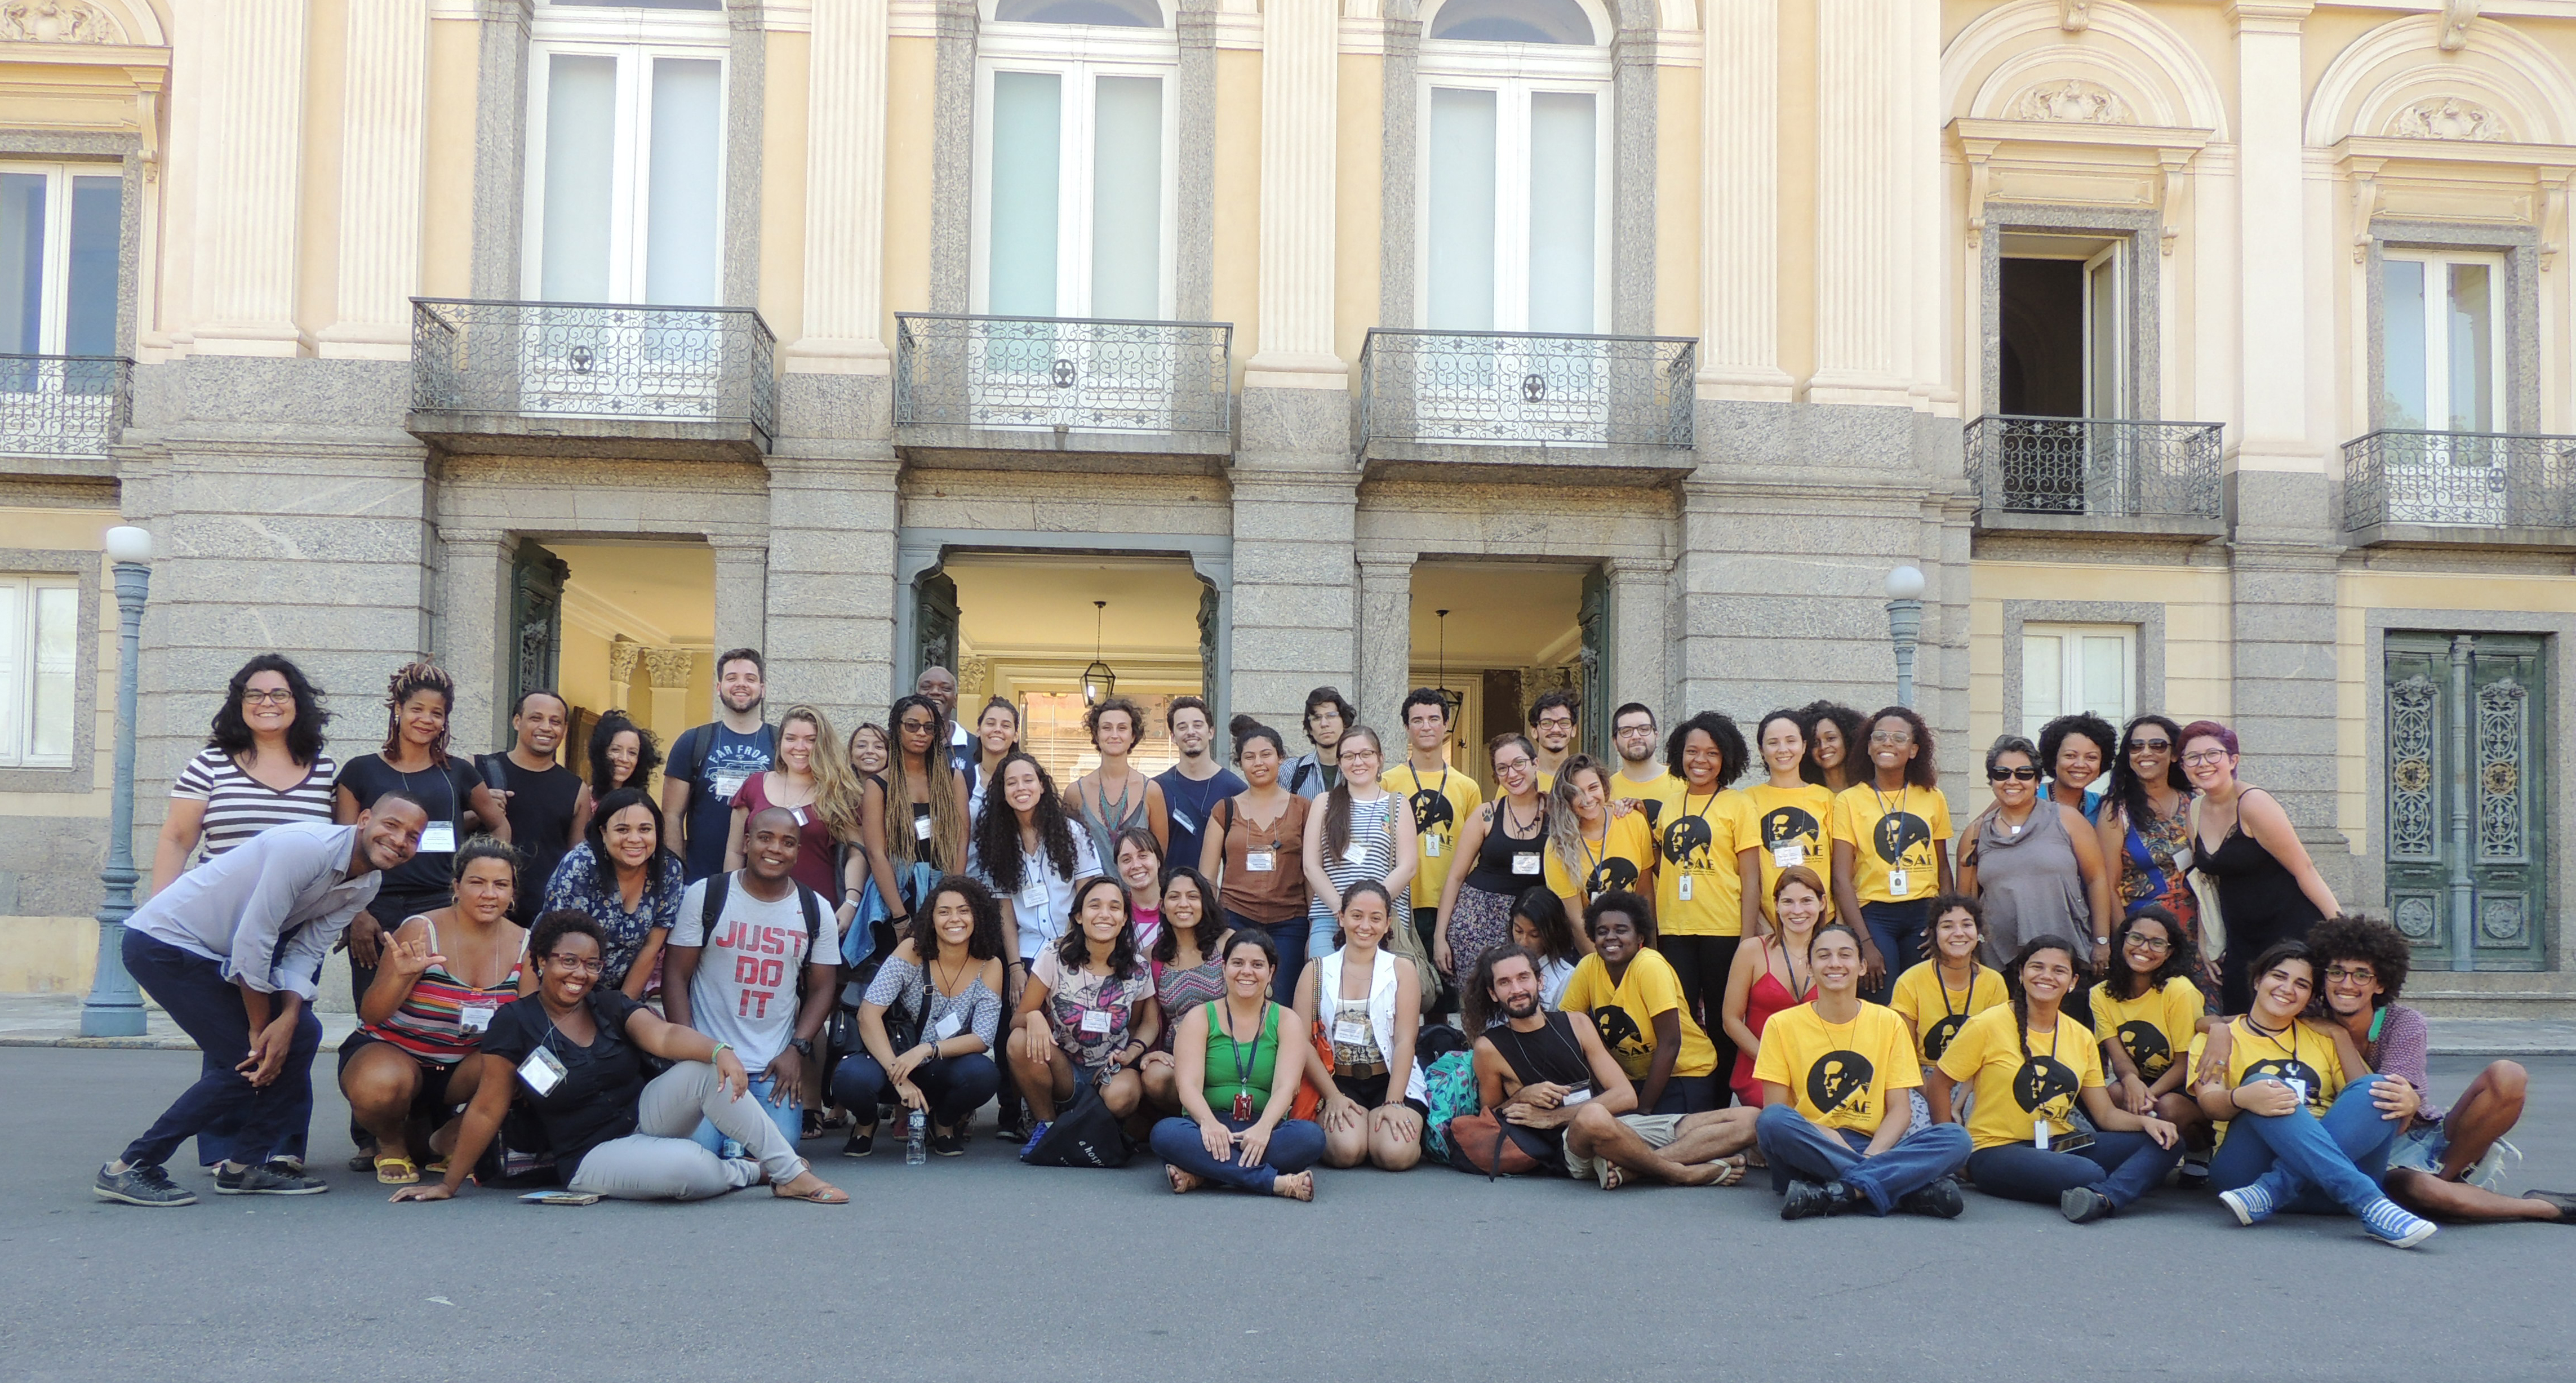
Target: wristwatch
804, 1045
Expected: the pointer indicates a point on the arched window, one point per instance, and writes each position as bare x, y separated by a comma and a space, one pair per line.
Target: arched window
1515, 167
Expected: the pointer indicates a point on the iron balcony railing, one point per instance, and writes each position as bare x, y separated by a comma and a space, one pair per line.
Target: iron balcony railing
2459, 479
1526, 389
64, 405
1067, 374
616, 362
2107, 468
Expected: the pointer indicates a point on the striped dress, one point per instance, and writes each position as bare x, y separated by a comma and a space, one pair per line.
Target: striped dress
239, 806
431, 1022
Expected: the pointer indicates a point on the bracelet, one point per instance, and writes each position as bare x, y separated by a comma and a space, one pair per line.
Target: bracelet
722, 1047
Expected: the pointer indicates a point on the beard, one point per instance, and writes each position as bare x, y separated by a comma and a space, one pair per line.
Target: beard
1520, 1006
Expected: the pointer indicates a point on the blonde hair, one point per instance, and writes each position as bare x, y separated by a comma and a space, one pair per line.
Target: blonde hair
836, 787
1565, 826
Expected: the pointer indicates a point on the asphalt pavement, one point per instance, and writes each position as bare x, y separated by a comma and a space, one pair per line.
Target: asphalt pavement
979, 1268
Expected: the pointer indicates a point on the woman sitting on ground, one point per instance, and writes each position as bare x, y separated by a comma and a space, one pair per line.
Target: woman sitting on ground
1088, 1014
1230, 1054
443, 976
1938, 997
2148, 1012
1539, 926
623, 876
1766, 977
1188, 961
2024, 1099
576, 1051
1368, 1003
950, 1007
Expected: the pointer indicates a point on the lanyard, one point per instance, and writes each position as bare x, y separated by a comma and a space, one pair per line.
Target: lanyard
1244, 1052
1790, 963
452, 812
1948, 1012
1882, 799
1702, 814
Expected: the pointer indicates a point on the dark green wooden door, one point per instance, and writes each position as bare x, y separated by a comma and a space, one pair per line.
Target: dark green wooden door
934, 625
2466, 817
536, 620
1594, 614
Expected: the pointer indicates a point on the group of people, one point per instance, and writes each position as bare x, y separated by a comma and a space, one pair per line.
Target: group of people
2124, 970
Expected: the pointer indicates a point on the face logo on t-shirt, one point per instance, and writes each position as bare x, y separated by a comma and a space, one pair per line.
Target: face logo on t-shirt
1899, 832
1936, 1039
1835, 1078
1653, 809
2289, 1069
2146, 1045
1619, 1032
1687, 841
1785, 824
1433, 813
1614, 872
2042, 1082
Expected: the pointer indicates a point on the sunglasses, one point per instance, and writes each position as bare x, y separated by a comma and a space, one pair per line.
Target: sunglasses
2023, 774
2158, 745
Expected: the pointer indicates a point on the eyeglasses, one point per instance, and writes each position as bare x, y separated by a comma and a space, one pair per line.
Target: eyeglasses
2023, 774
2351, 974
586, 965
1898, 740
256, 697
1359, 754
2205, 757
1505, 765
2158, 745
1556, 722
920, 726
2153, 944
1625, 731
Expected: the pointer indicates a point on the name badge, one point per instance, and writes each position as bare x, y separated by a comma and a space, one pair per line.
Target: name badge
1033, 895
799, 814
543, 1071
475, 1017
1350, 1031
438, 838
726, 783
1355, 853
1525, 862
1900, 882
1789, 854
2039, 1134
1259, 861
921, 828
1095, 1022
1431, 847
1181, 821
1574, 1097
947, 1028
2298, 1088
1682, 889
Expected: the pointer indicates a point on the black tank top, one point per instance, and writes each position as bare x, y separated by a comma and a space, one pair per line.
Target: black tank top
1493, 871
1553, 1054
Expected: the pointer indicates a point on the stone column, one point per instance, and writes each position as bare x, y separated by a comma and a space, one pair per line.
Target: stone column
1863, 201
1739, 356
670, 668
249, 179
845, 161
1299, 125
1640, 594
385, 122
952, 141
1386, 638
742, 596
746, 119
1295, 606
1633, 113
500, 143
623, 653
474, 611
830, 584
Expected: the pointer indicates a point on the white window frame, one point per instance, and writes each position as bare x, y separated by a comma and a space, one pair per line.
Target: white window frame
18, 670
1077, 55
2072, 695
634, 38
2112, 261
54, 301
2437, 331
1515, 72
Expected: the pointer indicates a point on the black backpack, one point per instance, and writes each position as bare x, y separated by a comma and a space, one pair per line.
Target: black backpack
720, 887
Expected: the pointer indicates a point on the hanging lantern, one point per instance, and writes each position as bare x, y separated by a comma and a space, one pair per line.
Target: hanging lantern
1098, 682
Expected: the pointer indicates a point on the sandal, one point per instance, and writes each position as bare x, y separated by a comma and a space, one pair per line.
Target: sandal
820, 1195
397, 1171
1730, 1170
1295, 1186
1613, 1176
1182, 1182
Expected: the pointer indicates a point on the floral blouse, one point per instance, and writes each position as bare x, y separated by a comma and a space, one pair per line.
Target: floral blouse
576, 885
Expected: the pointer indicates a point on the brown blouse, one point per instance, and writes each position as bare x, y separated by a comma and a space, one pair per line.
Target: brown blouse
1279, 894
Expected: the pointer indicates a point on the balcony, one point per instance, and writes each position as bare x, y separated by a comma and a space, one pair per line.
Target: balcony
64, 410
982, 392
2096, 475
592, 379
2489, 488
1519, 405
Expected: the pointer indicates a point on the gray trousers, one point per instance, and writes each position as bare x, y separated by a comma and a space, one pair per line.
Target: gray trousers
658, 1162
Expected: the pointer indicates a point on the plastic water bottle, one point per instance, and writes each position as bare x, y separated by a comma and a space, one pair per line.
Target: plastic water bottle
915, 1129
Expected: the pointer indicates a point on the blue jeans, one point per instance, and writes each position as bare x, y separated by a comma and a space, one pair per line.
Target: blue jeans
216, 1143
956, 1086
789, 1117
255, 1122
1290, 938
1798, 1150
1295, 1145
2310, 1166
1896, 929
2122, 1166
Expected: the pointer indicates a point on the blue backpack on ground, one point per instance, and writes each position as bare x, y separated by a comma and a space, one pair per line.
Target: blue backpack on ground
1448, 1090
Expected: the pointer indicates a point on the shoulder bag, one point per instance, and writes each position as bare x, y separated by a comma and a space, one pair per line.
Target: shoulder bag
2204, 889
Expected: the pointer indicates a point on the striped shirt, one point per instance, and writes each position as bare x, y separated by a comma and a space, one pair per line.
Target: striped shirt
239, 806
431, 1022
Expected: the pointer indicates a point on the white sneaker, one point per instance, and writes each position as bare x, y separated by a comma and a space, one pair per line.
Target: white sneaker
2490, 1171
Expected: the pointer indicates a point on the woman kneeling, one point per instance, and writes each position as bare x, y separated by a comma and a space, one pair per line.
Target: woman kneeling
1229, 1050
1364, 1113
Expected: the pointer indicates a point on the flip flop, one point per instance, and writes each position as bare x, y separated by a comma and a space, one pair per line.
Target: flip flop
397, 1171
1613, 1176
1731, 1171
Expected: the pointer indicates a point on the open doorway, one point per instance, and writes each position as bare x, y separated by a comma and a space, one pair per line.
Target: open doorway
635, 633
1514, 631
1049, 631
2064, 326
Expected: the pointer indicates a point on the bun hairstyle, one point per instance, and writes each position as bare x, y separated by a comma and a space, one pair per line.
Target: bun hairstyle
408, 681
1244, 729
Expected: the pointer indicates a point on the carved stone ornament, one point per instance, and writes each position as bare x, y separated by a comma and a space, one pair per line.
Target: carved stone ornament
2456, 15
2074, 16
57, 21
669, 667
2074, 100
2448, 117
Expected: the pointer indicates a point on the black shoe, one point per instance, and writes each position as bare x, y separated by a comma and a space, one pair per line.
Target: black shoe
1940, 1200
1806, 1199
860, 1144
2563, 1200
949, 1144
140, 1184
1013, 1130
2083, 1205
267, 1179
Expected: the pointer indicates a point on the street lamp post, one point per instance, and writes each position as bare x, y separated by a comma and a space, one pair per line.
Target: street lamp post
115, 1006
1905, 626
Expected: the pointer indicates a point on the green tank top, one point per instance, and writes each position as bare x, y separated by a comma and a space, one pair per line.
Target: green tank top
1226, 1066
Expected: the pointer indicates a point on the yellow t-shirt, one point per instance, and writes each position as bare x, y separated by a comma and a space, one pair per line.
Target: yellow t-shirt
2014, 1093
1698, 889
1938, 1011
1546, 782
1842, 1075
1442, 801
2301, 1054
1908, 829
1788, 826
1653, 797
1625, 1013
2155, 1028
1625, 858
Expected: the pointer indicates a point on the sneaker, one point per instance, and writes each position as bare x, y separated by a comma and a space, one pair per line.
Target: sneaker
2392, 1224
2195, 1172
268, 1179
1035, 1136
2083, 1205
2561, 1201
1940, 1200
860, 1145
949, 1144
140, 1184
2252, 1204
1806, 1200
2490, 1171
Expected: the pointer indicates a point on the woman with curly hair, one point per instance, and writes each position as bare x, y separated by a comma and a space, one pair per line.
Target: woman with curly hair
1089, 1012
1116, 796
263, 766
2145, 835
622, 755
942, 989
1837, 744
414, 760
1699, 870
1892, 847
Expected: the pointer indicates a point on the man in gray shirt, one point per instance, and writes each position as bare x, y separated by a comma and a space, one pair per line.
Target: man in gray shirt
232, 951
